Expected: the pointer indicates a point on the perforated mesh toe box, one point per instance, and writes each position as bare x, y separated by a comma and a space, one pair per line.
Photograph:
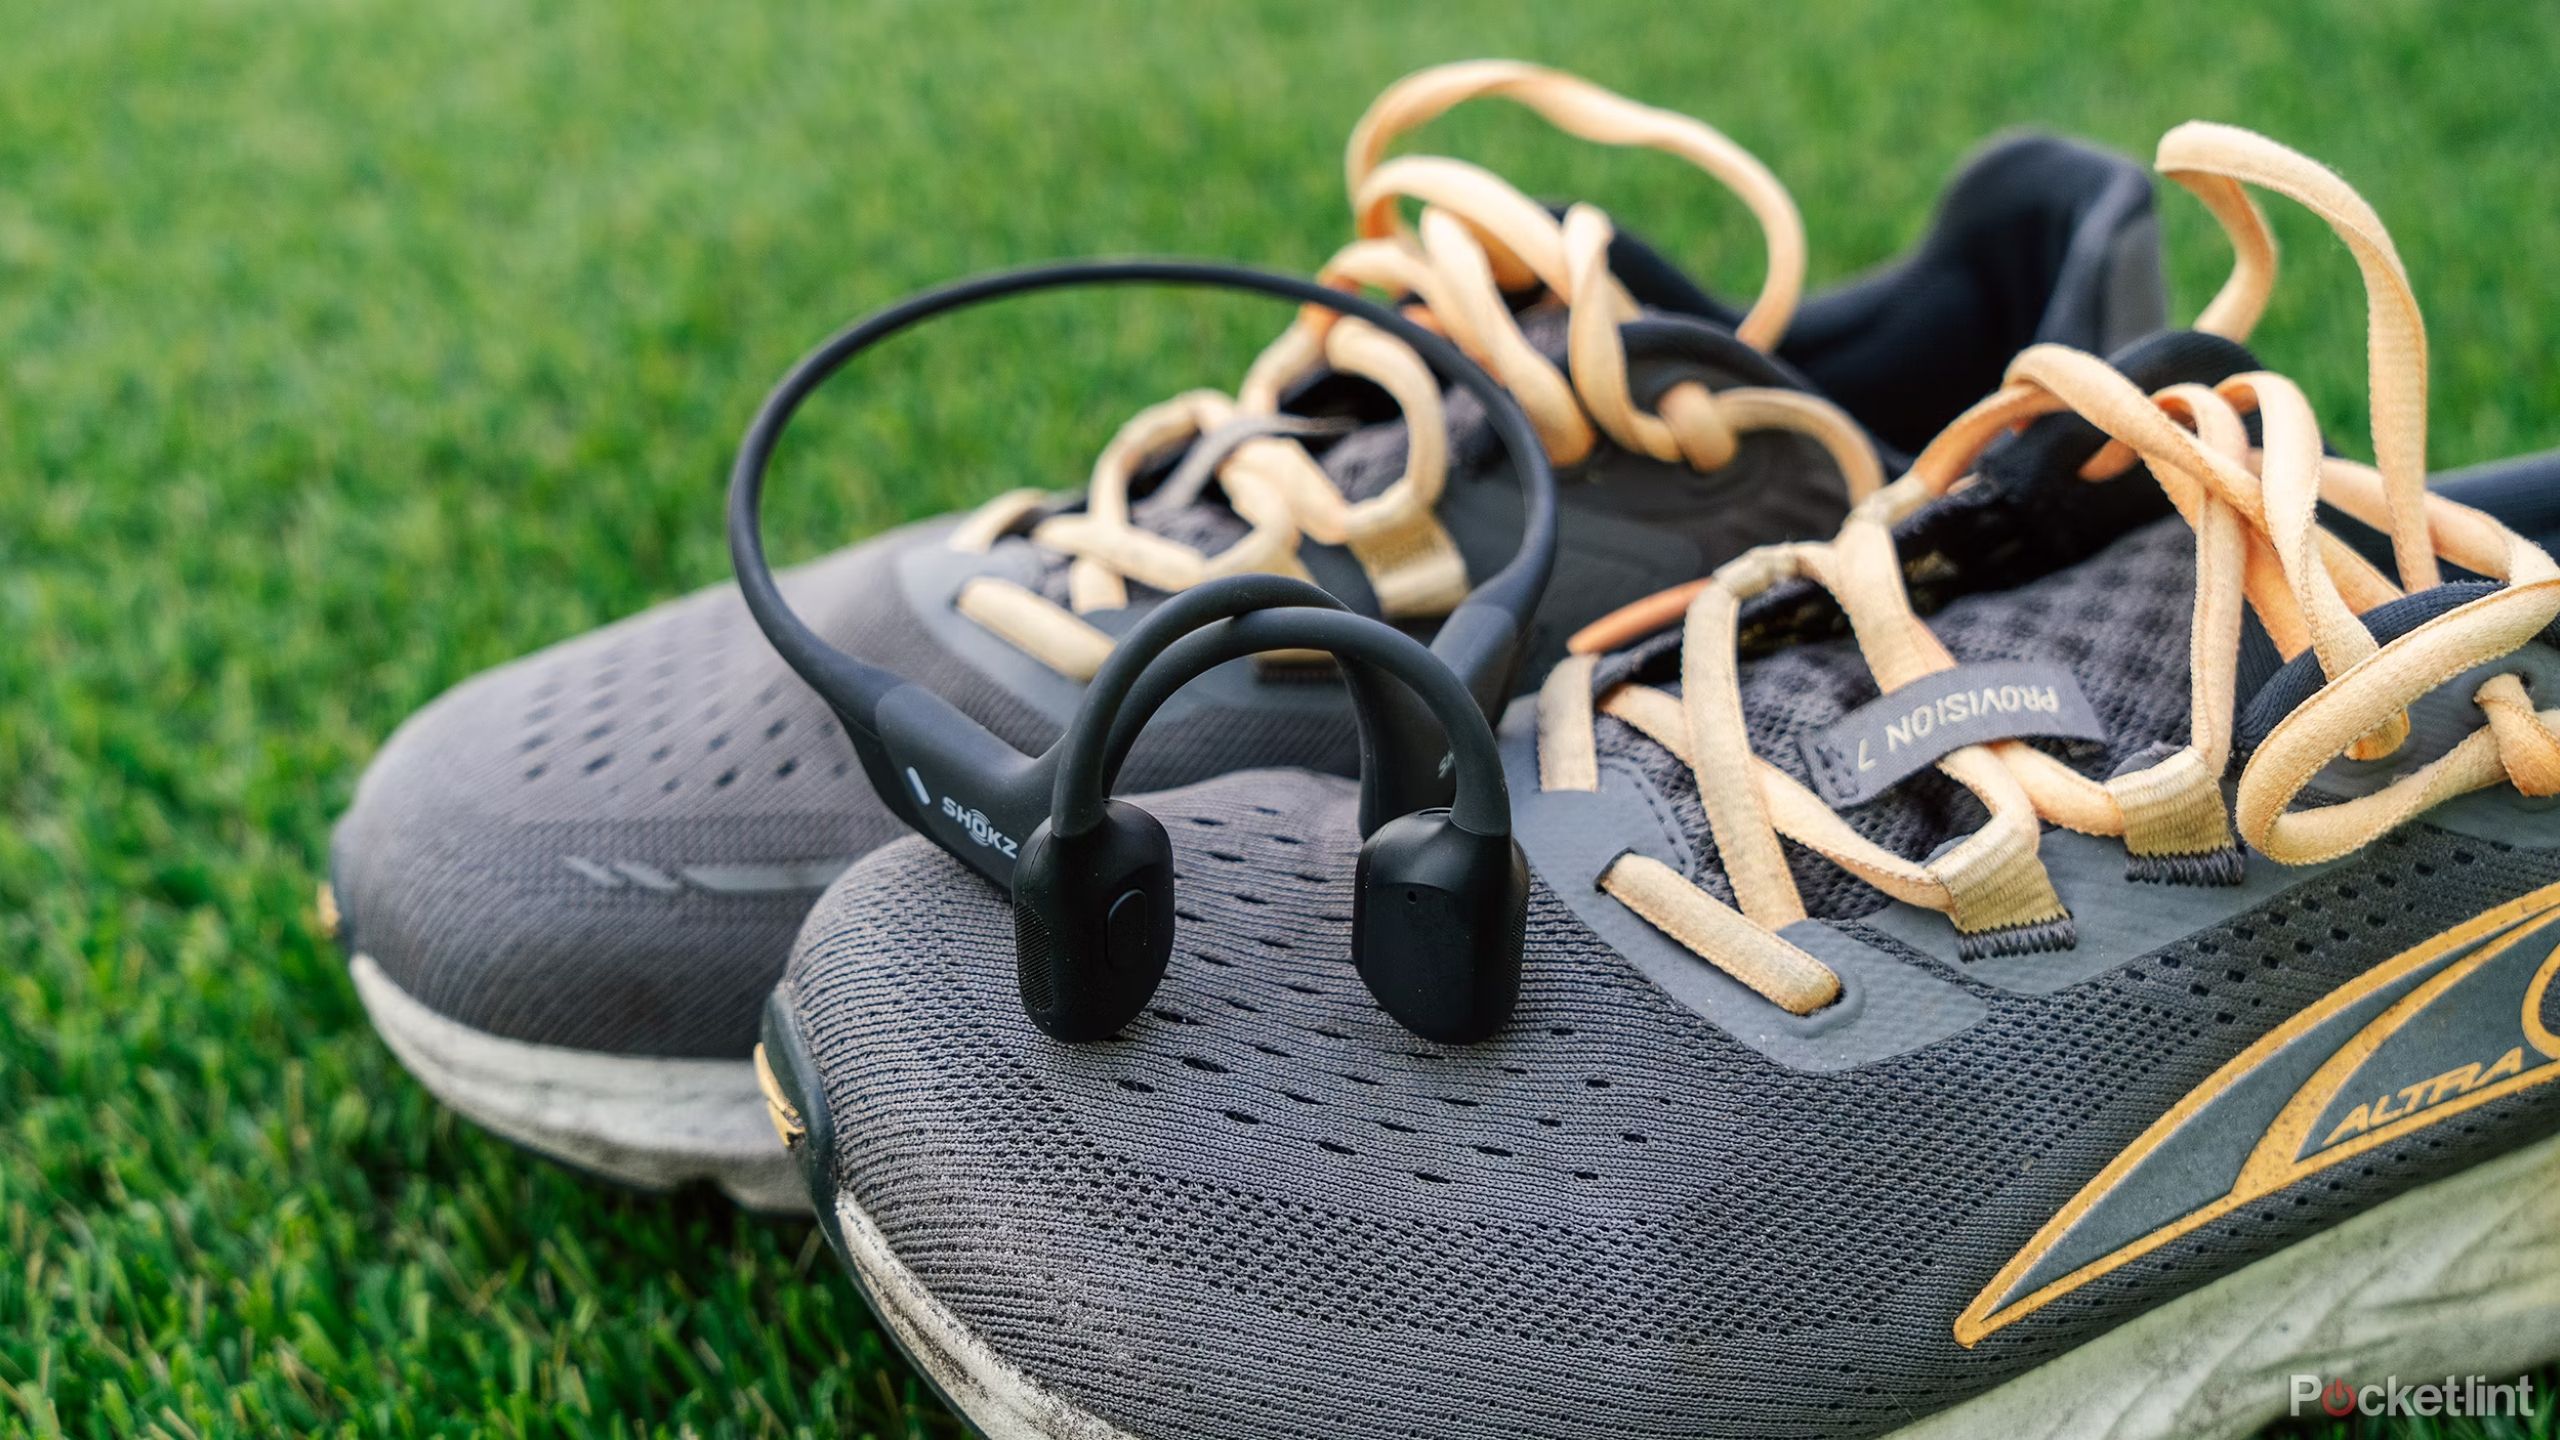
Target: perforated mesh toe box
609, 844
1266, 1211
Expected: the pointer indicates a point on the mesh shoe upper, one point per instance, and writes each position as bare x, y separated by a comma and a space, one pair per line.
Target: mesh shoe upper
2117, 622
1265, 1210
608, 845
1684, 1195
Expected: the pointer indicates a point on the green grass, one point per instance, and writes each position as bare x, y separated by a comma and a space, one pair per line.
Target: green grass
347, 347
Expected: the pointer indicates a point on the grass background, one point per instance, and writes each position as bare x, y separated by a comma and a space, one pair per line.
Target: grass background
347, 347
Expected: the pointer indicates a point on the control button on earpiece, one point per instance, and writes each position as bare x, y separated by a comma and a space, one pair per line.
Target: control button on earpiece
1127, 931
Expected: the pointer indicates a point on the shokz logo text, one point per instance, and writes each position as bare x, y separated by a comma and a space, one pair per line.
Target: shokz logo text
973, 821
981, 830
1967, 706
2453, 1397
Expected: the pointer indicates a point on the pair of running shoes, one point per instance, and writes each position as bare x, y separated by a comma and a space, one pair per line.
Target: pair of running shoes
2070, 952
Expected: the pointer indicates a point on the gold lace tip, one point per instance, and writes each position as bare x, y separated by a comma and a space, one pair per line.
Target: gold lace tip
324, 907
787, 1124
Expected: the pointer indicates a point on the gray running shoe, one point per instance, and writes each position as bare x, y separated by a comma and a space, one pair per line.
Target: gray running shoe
1921, 1057
568, 885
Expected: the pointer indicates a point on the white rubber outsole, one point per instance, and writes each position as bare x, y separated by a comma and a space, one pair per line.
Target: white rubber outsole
649, 1123
2460, 1277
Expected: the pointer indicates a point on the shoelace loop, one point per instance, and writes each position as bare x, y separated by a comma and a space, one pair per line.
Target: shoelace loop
2253, 509
1478, 242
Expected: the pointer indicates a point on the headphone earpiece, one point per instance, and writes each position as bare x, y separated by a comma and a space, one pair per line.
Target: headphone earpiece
1437, 924
1093, 922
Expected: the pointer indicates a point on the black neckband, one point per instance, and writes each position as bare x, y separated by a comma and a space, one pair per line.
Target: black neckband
1479, 644
1476, 641
1442, 889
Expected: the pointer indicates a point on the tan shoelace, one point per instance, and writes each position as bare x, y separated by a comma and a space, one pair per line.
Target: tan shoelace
1477, 242
2258, 544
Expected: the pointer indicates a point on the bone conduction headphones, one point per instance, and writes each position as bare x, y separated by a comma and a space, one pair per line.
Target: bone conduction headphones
1442, 890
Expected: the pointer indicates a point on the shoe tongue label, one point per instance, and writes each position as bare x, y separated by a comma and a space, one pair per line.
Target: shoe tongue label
1888, 740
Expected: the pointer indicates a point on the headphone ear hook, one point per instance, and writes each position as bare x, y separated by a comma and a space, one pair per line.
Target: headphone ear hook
1092, 877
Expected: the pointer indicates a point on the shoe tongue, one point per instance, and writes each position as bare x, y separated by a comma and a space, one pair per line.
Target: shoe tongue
2085, 587
2030, 512
1658, 284
1365, 462
1662, 348
1362, 464
2111, 630
2039, 470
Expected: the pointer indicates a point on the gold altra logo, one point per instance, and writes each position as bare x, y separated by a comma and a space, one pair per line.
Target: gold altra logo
2434, 1032
2383, 1109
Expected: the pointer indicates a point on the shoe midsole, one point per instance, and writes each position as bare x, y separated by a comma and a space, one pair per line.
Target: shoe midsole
641, 1120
